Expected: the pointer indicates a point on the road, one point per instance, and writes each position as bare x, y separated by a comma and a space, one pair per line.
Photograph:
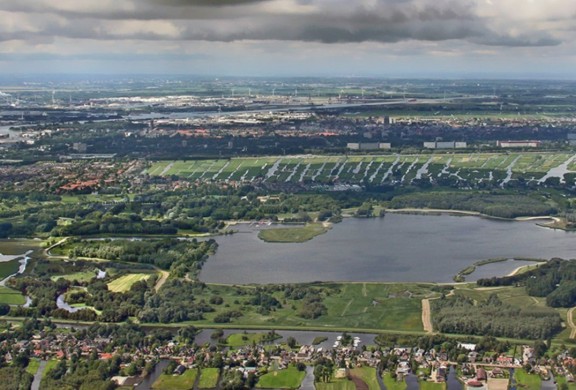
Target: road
47, 250
570, 322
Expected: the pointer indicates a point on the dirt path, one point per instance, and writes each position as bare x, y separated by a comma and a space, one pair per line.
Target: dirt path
426, 316
570, 322
359, 383
364, 291
159, 283
47, 250
346, 308
162, 279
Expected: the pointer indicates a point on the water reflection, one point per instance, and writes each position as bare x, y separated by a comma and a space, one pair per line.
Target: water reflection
148, 381
410, 248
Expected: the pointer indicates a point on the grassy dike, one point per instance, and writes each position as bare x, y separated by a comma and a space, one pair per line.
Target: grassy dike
293, 234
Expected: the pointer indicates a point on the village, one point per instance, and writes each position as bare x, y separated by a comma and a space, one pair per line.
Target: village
172, 356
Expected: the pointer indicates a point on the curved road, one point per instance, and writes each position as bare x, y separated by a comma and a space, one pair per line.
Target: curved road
570, 322
159, 283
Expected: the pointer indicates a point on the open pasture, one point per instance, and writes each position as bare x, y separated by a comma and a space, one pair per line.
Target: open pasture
11, 297
289, 378
176, 382
124, 283
383, 306
373, 169
208, 378
8, 268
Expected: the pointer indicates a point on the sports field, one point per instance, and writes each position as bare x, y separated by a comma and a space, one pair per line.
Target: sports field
502, 167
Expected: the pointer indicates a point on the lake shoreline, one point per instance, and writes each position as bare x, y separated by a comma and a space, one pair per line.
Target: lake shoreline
389, 249
426, 211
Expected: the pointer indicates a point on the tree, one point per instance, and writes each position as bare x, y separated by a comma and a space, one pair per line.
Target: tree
291, 341
4, 309
540, 349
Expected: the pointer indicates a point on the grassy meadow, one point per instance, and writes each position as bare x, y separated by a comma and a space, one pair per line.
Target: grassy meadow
293, 234
208, 378
368, 375
176, 382
527, 381
289, 378
369, 306
393, 384
11, 297
8, 268
124, 283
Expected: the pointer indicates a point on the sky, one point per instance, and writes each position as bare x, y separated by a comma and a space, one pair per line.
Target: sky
384, 38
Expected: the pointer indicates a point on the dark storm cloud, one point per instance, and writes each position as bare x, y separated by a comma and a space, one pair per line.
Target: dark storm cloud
206, 3
327, 21
519, 41
132, 57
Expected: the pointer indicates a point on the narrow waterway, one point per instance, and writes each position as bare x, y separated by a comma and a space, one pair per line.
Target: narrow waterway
61, 304
308, 382
23, 263
412, 382
38, 375
549, 384
148, 381
452, 382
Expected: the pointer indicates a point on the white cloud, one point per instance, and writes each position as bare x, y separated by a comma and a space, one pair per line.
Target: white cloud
283, 33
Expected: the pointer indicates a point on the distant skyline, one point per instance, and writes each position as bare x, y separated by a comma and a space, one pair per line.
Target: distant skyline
382, 38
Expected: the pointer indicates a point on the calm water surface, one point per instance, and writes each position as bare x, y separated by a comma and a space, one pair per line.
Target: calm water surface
399, 247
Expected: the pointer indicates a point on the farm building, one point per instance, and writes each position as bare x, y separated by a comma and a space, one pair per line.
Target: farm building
518, 144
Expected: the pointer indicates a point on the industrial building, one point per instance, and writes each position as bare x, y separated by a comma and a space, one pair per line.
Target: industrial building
519, 144
368, 145
445, 145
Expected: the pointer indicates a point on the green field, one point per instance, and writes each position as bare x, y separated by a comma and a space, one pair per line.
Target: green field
560, 380
295, 234
368, 375
17, 247
124, 283
33, 366
8, 268
359, 169
376, 306
289, 378
336, 384
50, 364
79, 276
11, 297
393, 384
208, 378
176, 382
432, 386
369, 306
527, 381
511, 295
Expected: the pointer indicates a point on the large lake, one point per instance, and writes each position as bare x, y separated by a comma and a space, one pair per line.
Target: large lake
399, 247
